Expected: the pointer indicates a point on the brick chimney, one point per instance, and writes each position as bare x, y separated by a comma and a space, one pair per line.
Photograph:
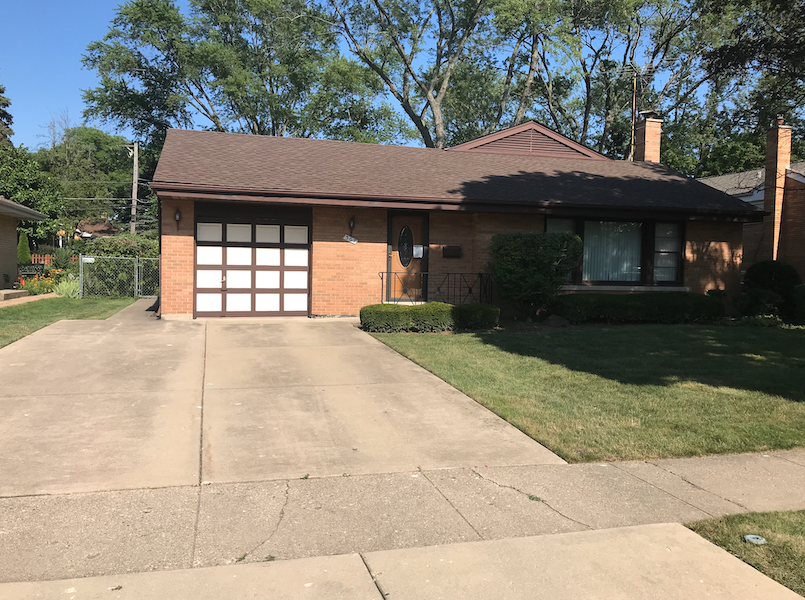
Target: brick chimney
778, 159
648, 132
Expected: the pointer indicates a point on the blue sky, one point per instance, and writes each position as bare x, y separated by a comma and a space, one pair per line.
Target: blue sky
40, 60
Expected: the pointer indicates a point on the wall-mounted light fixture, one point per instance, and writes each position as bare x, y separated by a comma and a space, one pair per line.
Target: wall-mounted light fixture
177, 216
351, 224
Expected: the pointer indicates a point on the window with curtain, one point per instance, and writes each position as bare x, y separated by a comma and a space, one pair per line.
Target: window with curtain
667, 251
611, 251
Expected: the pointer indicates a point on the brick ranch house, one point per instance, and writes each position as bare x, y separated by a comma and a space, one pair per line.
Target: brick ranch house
778, 188
10, 214
260, 226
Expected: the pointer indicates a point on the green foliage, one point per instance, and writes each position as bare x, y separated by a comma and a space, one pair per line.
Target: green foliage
22, 180
529, 268
6, 120
61, 258
68, 288
476, 316
762, 320
799, 304
38, 284
23, 250
430, 317
775, 276
758, 302
649, 307
123, 245
268, 67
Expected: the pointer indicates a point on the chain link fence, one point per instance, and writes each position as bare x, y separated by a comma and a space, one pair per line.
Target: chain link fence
118, 276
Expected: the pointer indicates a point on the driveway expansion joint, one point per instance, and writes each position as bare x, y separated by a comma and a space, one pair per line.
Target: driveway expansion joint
372, 575
453, 506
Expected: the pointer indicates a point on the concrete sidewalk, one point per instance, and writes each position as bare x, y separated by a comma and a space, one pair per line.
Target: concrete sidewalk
650, 561
162, 448
102, 533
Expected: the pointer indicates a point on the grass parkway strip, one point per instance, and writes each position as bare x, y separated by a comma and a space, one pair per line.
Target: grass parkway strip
630, 392
18, 321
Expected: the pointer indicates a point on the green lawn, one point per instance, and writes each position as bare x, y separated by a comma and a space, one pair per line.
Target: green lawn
782, 558
23, 319
631, 392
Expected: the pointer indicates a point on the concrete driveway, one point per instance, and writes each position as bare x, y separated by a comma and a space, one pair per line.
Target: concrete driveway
132, 402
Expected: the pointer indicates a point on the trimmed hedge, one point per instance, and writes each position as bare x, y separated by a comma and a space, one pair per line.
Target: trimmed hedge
649, 307
430, 317
476, 316
799, 304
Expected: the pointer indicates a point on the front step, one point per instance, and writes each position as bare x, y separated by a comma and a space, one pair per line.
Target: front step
11, 294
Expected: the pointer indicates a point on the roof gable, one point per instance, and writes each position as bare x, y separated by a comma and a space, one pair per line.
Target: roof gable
529, 139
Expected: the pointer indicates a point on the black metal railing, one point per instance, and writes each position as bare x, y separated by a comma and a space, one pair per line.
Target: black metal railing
451, 288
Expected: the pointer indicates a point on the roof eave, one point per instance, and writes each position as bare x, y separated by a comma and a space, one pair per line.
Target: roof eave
197, 192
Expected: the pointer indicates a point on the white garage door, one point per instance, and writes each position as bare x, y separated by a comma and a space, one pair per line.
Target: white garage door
252, 269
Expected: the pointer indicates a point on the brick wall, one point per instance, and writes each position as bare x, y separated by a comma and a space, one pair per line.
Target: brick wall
345, 276
713, 256
792, 227
176, 264
8, 250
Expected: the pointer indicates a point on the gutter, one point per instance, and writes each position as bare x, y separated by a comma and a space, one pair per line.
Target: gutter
199, 192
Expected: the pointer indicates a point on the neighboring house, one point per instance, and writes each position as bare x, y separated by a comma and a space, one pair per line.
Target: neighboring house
259, 225
10, 214
779, 190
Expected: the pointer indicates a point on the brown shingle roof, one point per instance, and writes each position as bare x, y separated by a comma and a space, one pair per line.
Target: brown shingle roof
262, 165
745, 181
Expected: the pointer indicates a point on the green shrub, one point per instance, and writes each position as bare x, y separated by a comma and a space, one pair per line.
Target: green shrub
430, 317
529, 268
758, 302
61, 258
775, 276
124, 244
649, 307
476, 316
762, 321
386, 318
23, 250
799, 304
67, 287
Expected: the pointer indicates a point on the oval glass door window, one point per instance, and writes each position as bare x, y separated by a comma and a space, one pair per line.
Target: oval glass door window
405, 246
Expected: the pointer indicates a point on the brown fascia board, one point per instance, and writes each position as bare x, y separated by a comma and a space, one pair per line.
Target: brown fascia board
195, 192
530, 125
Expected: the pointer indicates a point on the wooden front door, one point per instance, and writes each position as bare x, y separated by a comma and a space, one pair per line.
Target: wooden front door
407, 263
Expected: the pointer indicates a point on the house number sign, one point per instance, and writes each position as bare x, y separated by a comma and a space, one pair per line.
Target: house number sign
405, 246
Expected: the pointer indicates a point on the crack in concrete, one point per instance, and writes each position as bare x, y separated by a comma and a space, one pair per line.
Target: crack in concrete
698, 487
372, 575
279, 521
527, 495
453, 506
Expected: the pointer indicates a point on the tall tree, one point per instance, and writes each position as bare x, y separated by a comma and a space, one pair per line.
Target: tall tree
6, 120
415, 47
23, 180
253, 66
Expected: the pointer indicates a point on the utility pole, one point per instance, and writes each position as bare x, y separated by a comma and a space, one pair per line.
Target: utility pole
134, 150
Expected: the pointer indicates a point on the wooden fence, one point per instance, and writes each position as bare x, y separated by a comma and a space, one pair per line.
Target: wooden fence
47, 259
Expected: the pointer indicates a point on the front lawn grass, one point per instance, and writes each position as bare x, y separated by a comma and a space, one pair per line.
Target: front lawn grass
23, 319
782, 558
630, 392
